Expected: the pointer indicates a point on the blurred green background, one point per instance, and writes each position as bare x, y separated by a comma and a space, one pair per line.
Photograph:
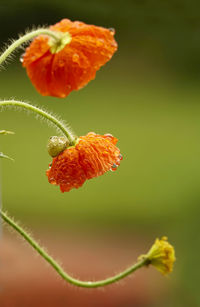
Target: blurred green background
148, 96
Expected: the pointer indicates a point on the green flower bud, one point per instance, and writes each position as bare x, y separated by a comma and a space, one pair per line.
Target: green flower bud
56, 145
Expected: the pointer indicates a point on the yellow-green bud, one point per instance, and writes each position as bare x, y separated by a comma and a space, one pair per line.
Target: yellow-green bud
56, 145
161, 255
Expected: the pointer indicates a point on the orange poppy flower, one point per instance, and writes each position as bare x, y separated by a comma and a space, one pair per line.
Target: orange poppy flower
92, 156
71, 68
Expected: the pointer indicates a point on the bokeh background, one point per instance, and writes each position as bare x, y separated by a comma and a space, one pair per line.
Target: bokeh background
148, 96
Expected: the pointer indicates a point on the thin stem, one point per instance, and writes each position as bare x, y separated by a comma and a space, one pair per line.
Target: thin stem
58, 268
26, 38
65, 130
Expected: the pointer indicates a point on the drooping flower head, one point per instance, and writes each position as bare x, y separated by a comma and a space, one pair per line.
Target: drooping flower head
57, 70
161, 255
92, 156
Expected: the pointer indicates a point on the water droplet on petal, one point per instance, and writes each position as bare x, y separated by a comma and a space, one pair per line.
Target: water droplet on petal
108, 135
113, 167
75, 57
112, 30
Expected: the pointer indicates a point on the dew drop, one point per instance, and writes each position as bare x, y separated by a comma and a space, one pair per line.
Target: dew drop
75, 57
120, 157
108, 135
89, 282
113, 167
21, 59
112, 30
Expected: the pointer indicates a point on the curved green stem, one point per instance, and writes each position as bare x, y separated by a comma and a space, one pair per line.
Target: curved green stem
58, 268
65, 130
26, 38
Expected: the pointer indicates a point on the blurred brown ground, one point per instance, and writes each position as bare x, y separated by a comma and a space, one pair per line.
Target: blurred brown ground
27, 281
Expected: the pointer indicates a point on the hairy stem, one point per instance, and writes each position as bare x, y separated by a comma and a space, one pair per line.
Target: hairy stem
26, 38
58, 268
65, 130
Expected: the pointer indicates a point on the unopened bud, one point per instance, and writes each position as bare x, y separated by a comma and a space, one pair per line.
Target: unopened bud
56, 145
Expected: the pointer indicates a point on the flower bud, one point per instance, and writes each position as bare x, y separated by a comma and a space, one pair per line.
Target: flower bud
161, 255
56, 145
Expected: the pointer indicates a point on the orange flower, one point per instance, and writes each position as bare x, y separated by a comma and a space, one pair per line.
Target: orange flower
71, 68
92, 156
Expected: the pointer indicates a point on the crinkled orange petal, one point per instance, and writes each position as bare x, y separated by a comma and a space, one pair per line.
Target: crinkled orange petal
92, 156
75, 65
